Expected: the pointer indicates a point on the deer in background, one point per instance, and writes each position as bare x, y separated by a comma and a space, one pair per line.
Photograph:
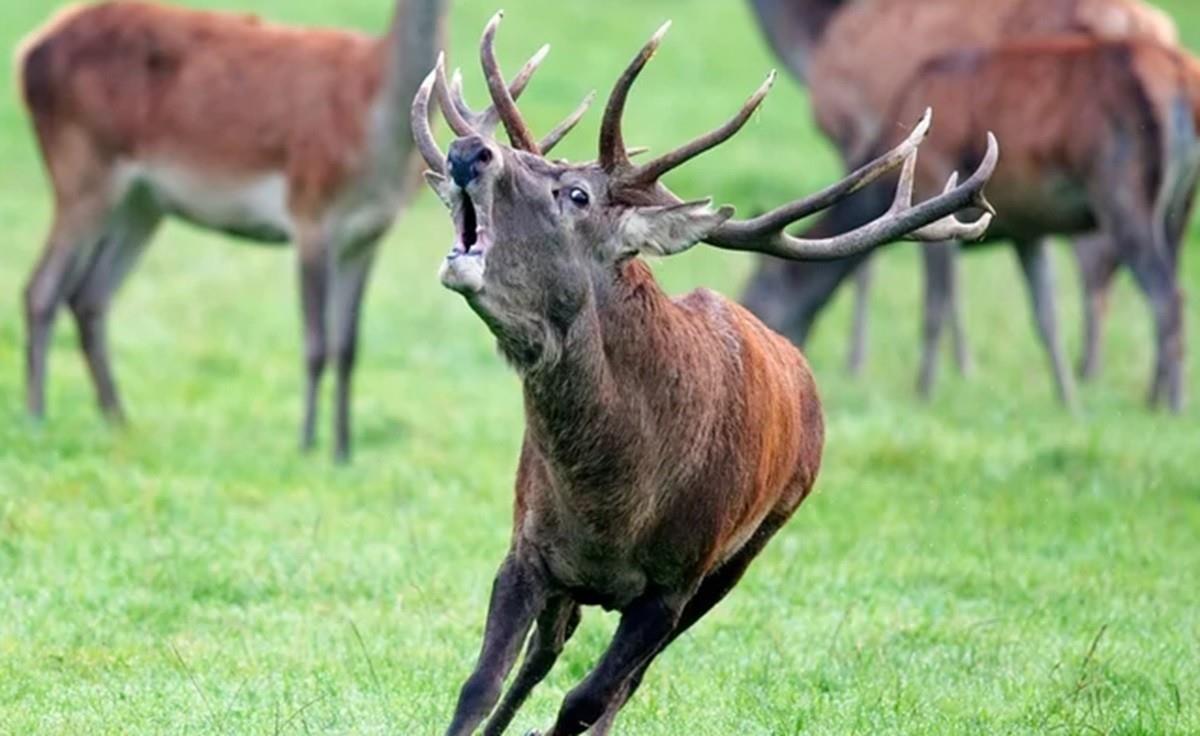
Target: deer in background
1121, 159
270, 133
666, 440
853, 94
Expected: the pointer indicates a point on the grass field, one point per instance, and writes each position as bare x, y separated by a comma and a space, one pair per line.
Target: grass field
983, 564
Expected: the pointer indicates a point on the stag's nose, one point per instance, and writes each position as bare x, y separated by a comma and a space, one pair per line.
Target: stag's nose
467, 158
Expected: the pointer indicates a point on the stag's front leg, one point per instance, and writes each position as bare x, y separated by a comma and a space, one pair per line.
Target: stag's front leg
128, 233
314, 292
518, 596
555, 626
645, 628
712, 591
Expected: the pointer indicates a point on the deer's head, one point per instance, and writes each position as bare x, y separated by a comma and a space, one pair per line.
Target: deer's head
535, 238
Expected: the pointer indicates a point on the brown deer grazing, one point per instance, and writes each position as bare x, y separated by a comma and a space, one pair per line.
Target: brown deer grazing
1120, 159
274, 134
666, 440
829, 45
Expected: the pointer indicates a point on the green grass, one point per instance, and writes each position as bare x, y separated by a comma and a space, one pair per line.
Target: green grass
984, 564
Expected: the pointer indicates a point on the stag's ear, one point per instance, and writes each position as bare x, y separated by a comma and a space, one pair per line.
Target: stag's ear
670, 229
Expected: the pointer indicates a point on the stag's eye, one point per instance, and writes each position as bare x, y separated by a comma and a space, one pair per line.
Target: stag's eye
579, 196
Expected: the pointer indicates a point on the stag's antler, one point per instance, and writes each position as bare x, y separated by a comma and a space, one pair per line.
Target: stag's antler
930, 220
465, 121
459, 115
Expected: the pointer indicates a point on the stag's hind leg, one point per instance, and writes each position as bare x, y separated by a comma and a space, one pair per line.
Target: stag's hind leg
1154, 268
712, 591
124, 240
1098, 260
958, 330
1153, 272
78, 227
939, 267
1039, 278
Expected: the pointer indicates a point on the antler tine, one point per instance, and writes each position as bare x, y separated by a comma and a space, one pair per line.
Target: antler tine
560, 131
652, 171
422, 131
458, 116
950, 227
502, 100
465, 121
456, 96
490, 118
931, 220
781, 217
612, 144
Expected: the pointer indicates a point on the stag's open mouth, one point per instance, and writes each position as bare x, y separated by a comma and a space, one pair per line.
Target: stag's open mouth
471, 233
463, 269
470, 224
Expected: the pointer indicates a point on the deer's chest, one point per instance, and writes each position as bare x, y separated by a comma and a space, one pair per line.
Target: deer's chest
598, 551
593, 572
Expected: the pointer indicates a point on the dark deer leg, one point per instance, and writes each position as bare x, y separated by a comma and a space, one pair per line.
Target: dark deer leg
349, 286
1098, 260
858, 331
645, 628
555, 626
958, 332
1153, 263
1156, 279
939, 263
314, 291
125, 241
711, 592
518, 596
75, 230
1039, 277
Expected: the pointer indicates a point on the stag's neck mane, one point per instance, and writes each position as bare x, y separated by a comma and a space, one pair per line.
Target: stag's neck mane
632, 359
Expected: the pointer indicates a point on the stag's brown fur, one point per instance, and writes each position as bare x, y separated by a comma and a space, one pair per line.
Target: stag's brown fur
669, 429
272, 133
666, 440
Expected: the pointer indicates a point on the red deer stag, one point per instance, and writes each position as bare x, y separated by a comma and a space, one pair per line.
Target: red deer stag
1121, 159
618, 377
270, 133
853, 94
